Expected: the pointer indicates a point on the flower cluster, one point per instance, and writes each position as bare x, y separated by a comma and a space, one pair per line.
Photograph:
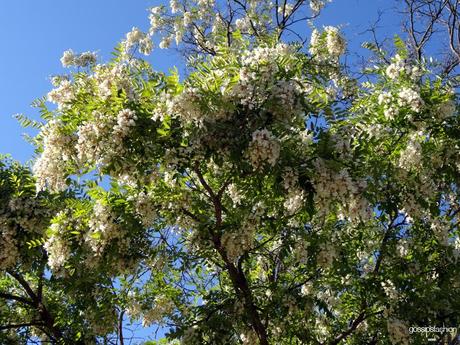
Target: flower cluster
411, 156
398, 332
259, 80
264, 148
409, 97
186, 105
327, 46
286, 93
69, 58
236, 243
327, 255
101, 140
103, 228
9, 252
112, 78
136, 38
163, 307
50, 169
406, 97
22, 218
296, 196
330, 185
400, 66
126, 119
234, 194
57, 246
145, 208
63, 94
29, 213
294, 201
386, 99
317, 5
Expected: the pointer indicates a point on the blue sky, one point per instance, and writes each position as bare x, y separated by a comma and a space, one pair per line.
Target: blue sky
34, 35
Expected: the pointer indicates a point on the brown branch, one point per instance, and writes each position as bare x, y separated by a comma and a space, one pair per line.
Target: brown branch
17, 298
237, 276
20, 325
356, 322
44, 313
360, 318
120, 327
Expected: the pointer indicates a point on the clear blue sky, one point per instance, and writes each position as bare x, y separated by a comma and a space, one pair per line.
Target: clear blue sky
34, 34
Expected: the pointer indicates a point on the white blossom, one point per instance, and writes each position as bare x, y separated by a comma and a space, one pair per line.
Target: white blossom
137, 38
69, 58
9, 252
398, 332
264, 148
411, 98
335, 43
57, 248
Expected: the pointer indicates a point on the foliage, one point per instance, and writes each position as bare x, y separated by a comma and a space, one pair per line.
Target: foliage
266, 197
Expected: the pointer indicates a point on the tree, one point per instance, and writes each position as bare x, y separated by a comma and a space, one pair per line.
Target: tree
33, 304
267, 197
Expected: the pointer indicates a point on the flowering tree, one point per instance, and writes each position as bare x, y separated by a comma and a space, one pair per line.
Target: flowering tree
267, 197
33, 303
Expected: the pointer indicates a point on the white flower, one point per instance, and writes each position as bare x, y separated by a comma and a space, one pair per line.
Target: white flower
264, 148
385, 98
62, 95
392, 71
398, 332
234, 194
290, 179
145, 45
165, 42
243, 24
335, 43
134, 36
306, 289
411, 98
137, 37
86, 59
9, 252
327, 255
294, 202
317, 5
175, 6
156, 10
58, 251
68, 58
126, 119
145, 209
187, 19
399, 67
58, 149
103, 228
315, 40
411, 156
